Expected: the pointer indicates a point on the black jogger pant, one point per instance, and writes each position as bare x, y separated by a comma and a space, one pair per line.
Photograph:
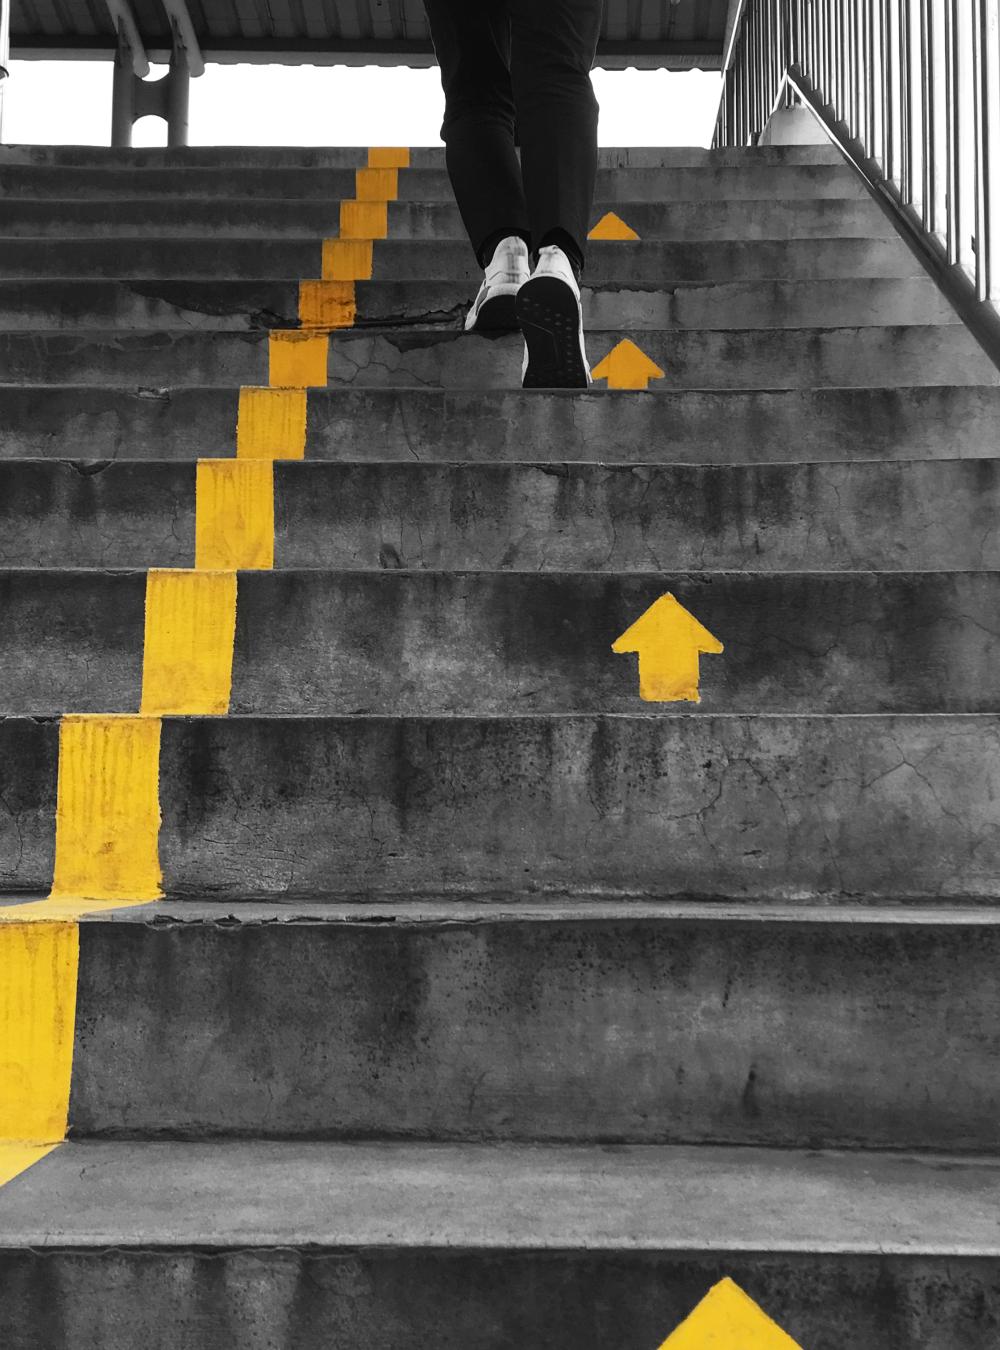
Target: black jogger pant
520, 70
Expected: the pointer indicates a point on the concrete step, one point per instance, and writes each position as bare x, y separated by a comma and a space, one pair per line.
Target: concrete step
449, 359
421, 157
495, 644
609, 263
90, 425
198, 218
749, 808
878, 515
702, 183
641, 1023
237, 306
106, 1246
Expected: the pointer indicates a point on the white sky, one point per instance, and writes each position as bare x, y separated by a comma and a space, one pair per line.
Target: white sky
63, 102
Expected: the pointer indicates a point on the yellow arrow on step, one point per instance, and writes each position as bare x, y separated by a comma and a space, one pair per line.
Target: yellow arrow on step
627, 367
726, 1318
611, 226
669, 642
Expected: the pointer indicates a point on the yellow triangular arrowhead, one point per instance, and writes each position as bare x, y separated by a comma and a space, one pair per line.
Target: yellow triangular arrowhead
627, 367
728, 1319
611, 226
669, 641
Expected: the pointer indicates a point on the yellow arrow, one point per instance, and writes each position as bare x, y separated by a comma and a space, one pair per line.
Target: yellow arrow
725, 1319
669, 642
627, 367
611, 226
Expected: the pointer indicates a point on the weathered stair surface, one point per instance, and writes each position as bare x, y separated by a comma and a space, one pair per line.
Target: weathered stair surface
490, 1003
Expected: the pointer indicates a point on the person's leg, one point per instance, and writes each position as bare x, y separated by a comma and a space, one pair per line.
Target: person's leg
472, 42
553, 44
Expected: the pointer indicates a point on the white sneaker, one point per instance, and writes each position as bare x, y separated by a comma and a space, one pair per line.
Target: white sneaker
550, 313
493, 308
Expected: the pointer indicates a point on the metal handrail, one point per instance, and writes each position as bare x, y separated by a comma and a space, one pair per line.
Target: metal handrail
910, 91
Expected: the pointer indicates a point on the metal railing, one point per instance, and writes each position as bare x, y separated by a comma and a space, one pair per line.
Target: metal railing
4, 54
910, 91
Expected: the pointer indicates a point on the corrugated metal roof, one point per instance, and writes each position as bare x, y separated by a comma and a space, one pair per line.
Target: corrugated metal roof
678, 34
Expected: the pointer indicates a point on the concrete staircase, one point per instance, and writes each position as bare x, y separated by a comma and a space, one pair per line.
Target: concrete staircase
488, 1003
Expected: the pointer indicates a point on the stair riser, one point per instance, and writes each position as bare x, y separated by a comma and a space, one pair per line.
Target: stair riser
240, 306
657, 265
409, 1298
423, 185
690, 359
487, 427
748, 808
641, 1030
493, 644
822, 218
916, 516
421, 157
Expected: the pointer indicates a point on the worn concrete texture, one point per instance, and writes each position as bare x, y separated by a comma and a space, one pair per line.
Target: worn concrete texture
47, 306
373, 1245
533, 517
704, 182
747, 807
690, 359
451, 260
479, 643
90, 425
834, 1029
199, 217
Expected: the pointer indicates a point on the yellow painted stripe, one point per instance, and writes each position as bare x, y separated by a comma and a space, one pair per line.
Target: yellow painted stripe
298, 358
347, 259
326, 305
728, 1318
17, 1157
108, 809
272, 423
190, 628
611, 226
376, 184
234, 517
364, 220
388, 157
37, 1004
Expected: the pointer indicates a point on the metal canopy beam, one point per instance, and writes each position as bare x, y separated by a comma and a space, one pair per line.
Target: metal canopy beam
184, 35
127, 29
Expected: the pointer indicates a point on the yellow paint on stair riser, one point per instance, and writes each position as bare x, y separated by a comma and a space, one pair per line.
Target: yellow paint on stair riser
38, 974
728, 1319
297, 359
271, 423
16, 1158
347, 260
327, 305
364, 220
388, 157
376, 184
612, 227
234, 517
627, 366
187, 665
669, 641
108, 809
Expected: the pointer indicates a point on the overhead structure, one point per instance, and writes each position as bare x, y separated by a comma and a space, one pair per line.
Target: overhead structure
672, 34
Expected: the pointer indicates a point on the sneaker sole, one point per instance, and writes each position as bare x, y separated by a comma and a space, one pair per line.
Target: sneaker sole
497, 315
550, 321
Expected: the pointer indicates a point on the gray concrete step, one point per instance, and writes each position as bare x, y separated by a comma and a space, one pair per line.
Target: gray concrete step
421, 157
549, 517
90, 425
497, 644
198, 218
237, 306
748, 808
689, 358
306, 1017
113, 1245
701, 183
663, 264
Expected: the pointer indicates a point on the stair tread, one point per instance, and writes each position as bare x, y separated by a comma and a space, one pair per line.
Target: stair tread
629, 1197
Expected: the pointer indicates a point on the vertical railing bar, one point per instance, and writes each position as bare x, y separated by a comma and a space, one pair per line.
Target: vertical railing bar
991, 185
888, 130
928, 210
953, 77
980, 138
870, 90
905, 106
